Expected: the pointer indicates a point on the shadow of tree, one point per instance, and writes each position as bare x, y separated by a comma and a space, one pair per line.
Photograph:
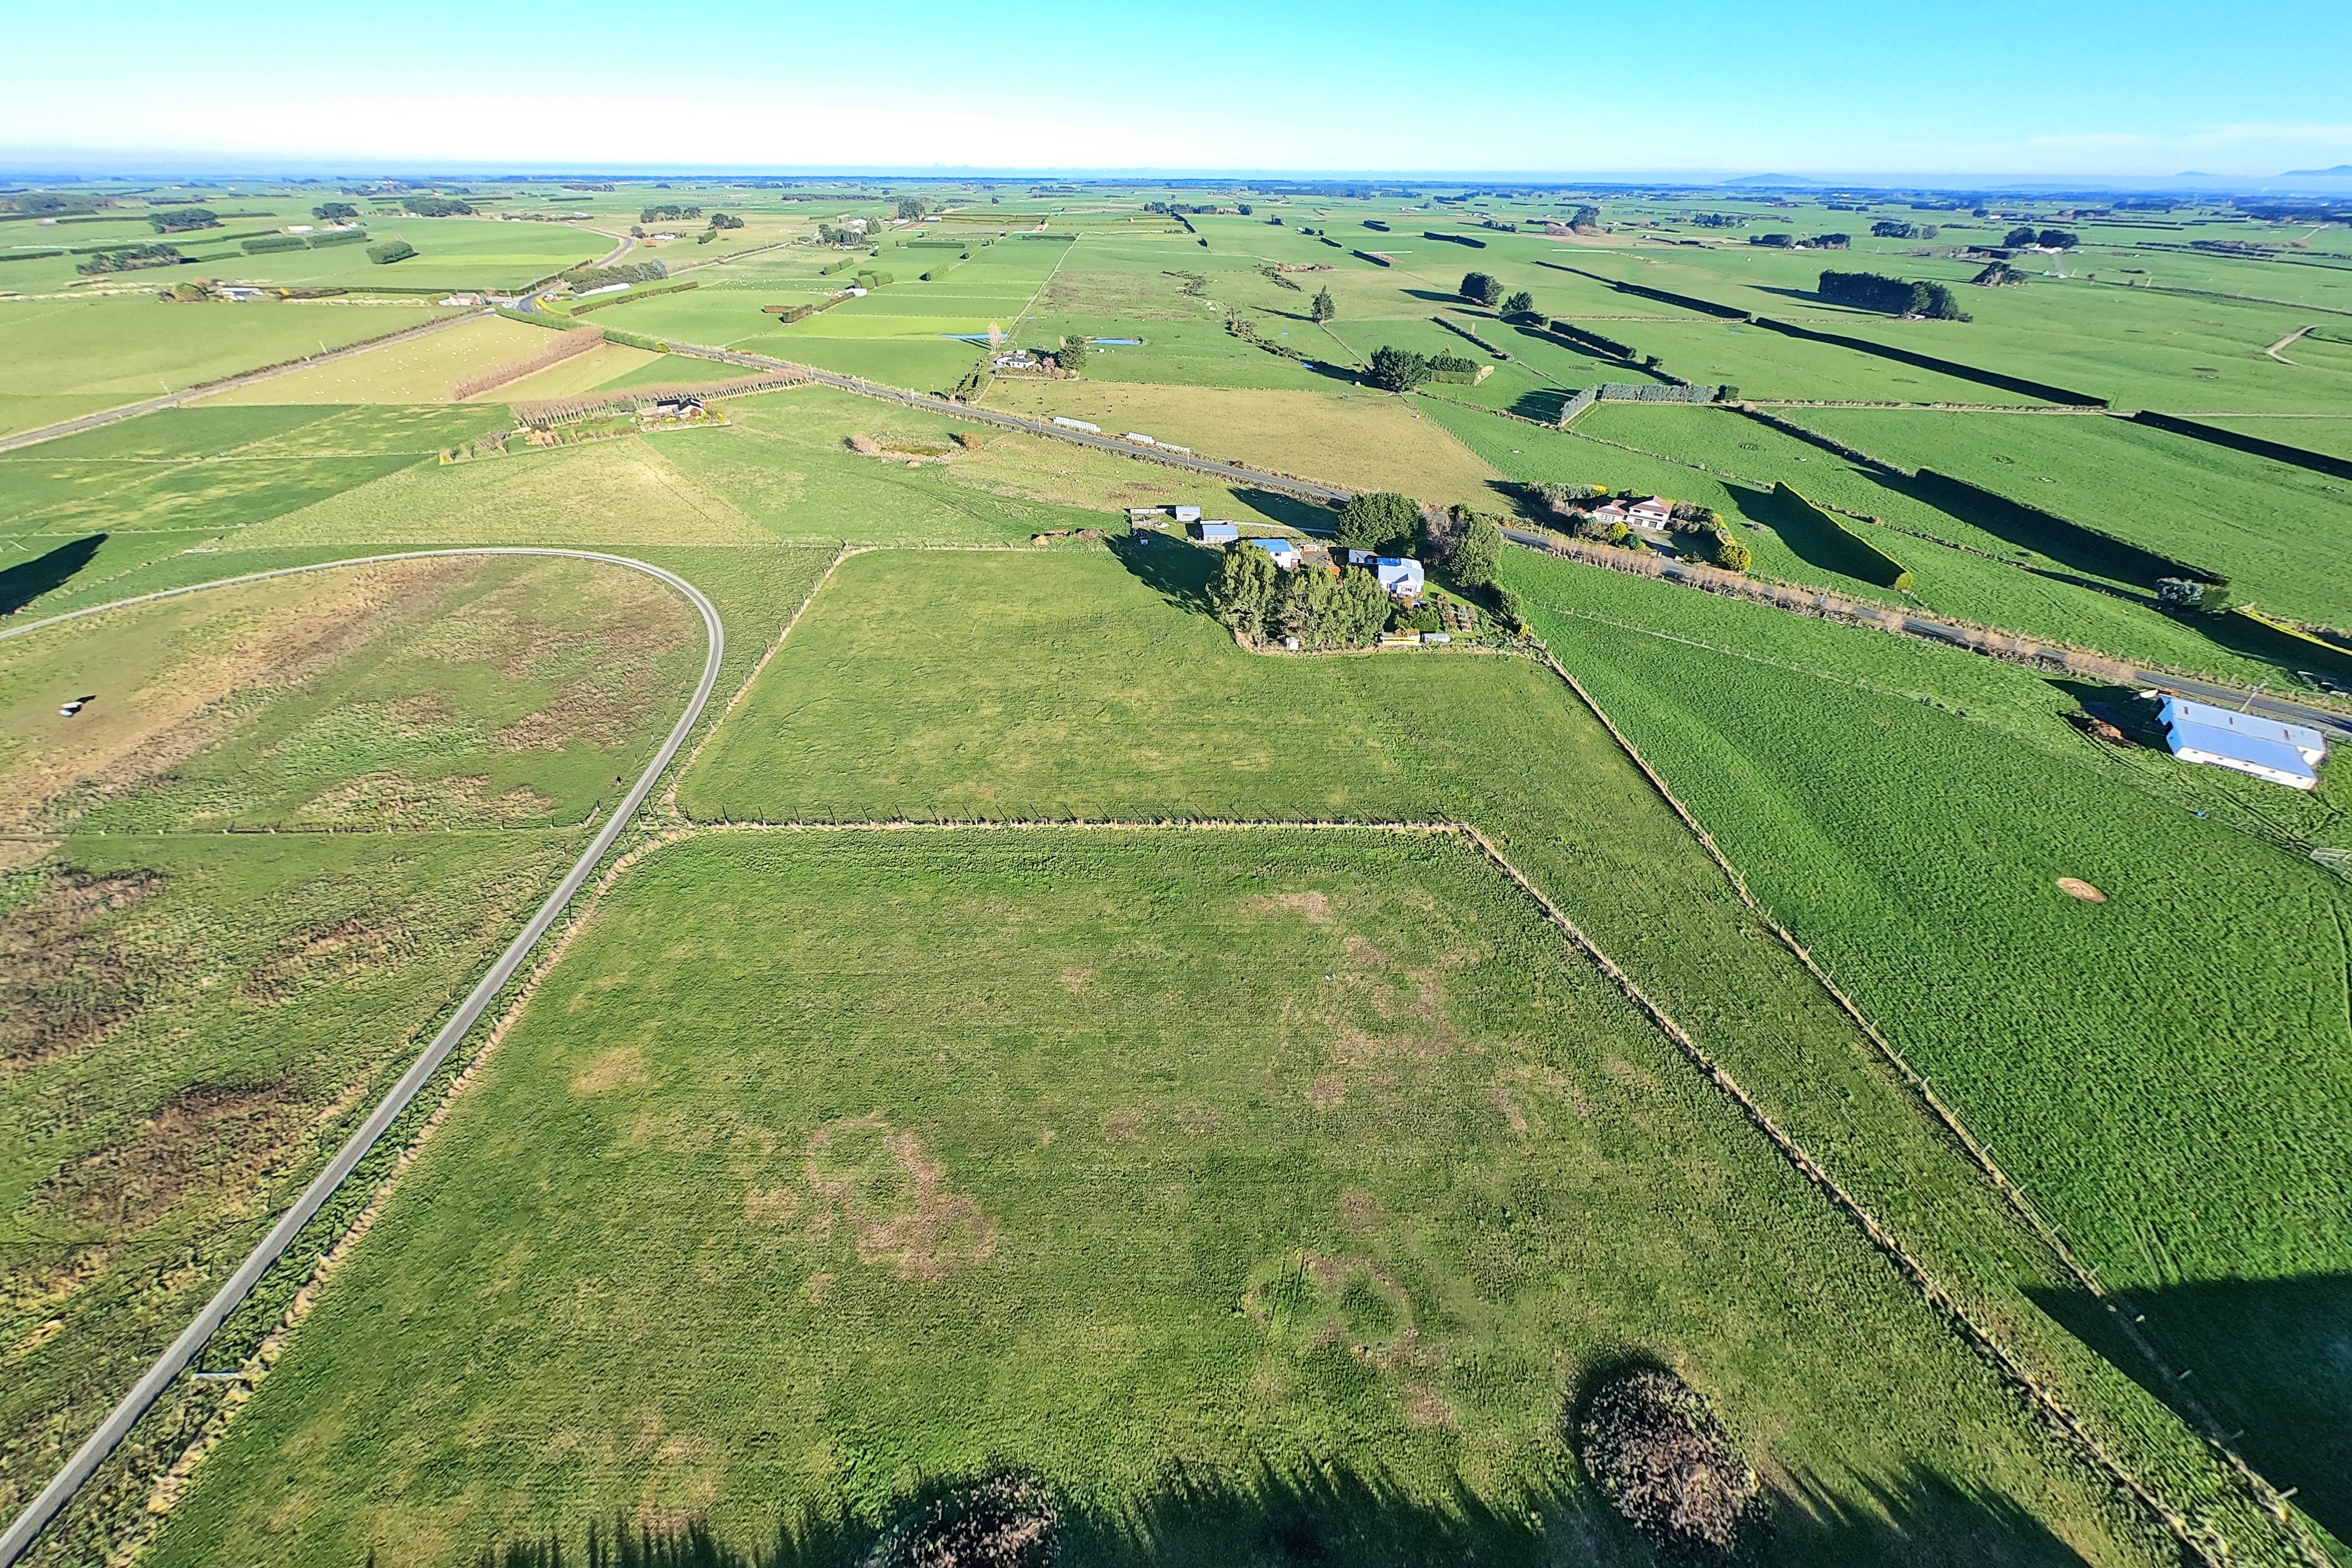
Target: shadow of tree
1176, 570
1544, 404
1813, 541
28, 581
2269, 1359
1331, 1514
1291, 511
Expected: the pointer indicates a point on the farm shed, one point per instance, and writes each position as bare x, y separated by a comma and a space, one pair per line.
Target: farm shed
1089, 427
1220, 533
1284, 553
1186, 514
2288, 754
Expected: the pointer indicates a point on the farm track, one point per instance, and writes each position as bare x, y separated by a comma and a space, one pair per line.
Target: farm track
111, 1433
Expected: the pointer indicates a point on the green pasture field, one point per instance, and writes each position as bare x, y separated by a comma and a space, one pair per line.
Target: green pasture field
451, 253
2165, 1073
2038, 594
194, 1018
237, 1004
2328, 433
1383, 1199
499, 692
2270, 527
76, 357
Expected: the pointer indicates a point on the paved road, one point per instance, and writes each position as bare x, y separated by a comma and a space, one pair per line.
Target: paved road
174, 400
28, 1525
2284, 708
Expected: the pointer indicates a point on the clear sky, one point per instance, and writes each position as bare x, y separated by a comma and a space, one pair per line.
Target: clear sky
2025, 87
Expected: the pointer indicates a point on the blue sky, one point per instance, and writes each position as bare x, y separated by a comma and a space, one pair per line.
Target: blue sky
1815, 86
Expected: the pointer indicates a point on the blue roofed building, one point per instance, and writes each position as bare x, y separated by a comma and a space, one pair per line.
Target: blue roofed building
1283, 552
2288, 754
1400, 575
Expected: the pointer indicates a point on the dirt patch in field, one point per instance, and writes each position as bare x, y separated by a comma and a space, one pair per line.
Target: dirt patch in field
1328, 1091
2077, 887
1075, 979
895, 1198
396, 801
224, 1136
621, 1066
1124, 1125
1315, 906
69, 970
182, 689
340, 949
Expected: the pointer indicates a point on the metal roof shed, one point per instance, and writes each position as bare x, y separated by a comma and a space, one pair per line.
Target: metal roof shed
2287, 754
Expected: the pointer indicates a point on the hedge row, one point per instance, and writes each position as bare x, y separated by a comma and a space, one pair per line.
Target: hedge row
1577, 334
1654, 392
2077, 545
2042, 390
268, 243
2278, 451
585, 306
1454, 239
1704, 306
1373, 256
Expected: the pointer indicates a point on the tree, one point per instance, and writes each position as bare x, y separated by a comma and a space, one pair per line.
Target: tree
179, 220
725, 221
1397, 370
1520, 304
1477, 554
1480, 288
910, 207
1357, 612
1733, 555
1379, 520
2021, 234
1072, 356
335, 212
1243, 592
2057, 239
1323, 309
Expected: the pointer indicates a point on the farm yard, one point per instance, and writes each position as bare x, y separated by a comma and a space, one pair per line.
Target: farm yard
1037, 1023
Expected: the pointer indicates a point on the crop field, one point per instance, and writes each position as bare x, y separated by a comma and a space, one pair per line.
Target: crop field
196, 1016
2165, 1071
857, 1215
72, 357
416, 371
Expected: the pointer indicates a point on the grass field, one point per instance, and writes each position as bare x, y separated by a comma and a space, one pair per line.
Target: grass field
195, 1018
2271, 527
74, 356
2165, 1071
417, 371
1389, 1192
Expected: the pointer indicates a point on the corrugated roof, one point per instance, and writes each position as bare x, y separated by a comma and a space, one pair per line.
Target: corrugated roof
2309, 742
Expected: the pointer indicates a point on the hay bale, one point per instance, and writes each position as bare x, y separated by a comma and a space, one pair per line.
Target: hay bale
1004, 1521
1661, 1456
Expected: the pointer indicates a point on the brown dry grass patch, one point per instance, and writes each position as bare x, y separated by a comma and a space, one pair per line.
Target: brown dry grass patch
69, 971
895, 1198
218, 1136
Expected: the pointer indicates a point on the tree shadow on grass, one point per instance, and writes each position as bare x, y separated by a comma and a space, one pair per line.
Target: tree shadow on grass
28, 581
1291, 511
1332, 1514
1176, 569
1813, 541
1543, 405
2269, 1359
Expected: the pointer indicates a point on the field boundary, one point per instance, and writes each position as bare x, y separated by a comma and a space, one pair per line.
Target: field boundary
111, 1433
2268, 1497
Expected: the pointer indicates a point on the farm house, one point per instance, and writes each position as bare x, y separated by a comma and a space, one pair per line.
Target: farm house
1285, 552
1400, 575
2287, 754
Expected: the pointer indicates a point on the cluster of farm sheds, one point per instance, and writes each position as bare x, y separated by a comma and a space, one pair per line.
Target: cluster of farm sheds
1399, 577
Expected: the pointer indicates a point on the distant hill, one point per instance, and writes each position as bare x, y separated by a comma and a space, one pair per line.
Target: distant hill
2341, 171
1771, 180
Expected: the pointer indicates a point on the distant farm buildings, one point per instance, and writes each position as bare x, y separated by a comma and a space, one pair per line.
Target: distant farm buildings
2288, 754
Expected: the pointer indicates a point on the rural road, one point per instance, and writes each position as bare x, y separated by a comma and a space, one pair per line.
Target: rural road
28, 1525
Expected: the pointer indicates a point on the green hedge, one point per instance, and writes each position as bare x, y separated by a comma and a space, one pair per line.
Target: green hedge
1952, 368
341, 236
635, 341
268, 242
389, 251
599, 303
2277, 450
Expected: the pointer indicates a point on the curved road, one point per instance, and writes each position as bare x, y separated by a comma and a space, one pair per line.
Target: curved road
28, 1525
